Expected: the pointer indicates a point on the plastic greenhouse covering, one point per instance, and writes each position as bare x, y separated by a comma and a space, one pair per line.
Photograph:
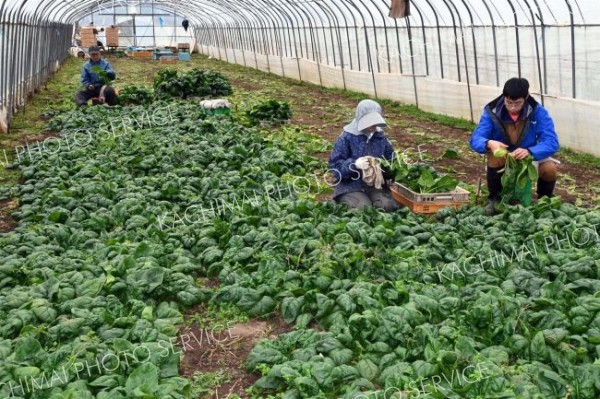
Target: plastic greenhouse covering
288, 199
445, 56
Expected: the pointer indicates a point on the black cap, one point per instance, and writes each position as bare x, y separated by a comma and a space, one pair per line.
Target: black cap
94, 49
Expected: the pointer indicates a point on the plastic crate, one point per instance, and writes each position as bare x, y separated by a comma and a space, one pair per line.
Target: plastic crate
218, 111
158, 54
169, 59
274, 123
428, 202
223, 106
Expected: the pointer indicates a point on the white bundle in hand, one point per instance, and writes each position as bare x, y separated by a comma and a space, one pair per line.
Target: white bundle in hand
371, 171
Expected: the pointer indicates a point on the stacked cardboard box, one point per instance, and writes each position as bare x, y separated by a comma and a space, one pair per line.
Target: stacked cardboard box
141, 54
112, 36
88, 37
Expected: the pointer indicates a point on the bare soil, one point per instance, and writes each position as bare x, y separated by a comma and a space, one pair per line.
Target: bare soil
7, 223
226, 351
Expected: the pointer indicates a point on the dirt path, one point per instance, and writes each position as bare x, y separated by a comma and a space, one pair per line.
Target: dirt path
224, 353
7, 223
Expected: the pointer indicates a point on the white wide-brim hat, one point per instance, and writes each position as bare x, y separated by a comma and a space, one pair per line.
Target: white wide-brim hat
371, 119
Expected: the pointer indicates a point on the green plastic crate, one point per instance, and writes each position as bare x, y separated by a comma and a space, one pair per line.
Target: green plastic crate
219, 111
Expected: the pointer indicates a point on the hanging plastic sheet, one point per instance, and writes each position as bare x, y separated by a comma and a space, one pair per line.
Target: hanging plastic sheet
400, 9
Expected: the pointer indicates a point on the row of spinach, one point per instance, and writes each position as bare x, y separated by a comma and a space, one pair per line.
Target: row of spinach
113, 232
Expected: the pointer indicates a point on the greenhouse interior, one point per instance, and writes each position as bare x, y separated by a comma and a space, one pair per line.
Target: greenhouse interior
299, 199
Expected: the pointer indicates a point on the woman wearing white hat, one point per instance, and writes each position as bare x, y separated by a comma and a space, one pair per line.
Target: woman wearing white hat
354, 161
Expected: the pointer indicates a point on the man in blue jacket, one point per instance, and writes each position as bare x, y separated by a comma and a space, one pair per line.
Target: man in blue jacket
94, 87
359, 179
520, 124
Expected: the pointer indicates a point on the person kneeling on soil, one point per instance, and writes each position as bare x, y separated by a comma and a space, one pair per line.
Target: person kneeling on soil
354, 161
95, 87
517, 122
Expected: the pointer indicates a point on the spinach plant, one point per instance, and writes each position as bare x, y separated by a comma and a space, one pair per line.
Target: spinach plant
102, 74
518, 174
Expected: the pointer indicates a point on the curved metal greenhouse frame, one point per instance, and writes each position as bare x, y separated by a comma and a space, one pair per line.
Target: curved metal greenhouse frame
352, 44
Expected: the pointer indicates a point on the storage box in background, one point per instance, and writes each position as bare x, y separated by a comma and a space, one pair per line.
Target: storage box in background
159, 53
428, 202
141, 54
183, 56
112, 36
183, 46
169, 59
88, 37
87, 30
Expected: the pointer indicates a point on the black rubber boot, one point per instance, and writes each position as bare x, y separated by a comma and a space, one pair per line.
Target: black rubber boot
545, 188
494, 183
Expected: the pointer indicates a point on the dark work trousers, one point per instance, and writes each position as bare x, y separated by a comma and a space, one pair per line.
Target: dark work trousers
82, 97
381, 199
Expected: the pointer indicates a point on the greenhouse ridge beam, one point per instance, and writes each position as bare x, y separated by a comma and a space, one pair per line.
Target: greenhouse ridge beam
466, 41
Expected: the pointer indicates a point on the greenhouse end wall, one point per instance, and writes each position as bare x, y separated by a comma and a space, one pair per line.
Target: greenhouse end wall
576, 120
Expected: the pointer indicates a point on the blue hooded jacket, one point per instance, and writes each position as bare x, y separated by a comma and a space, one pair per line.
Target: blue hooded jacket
353, 144
538, 135
88, 77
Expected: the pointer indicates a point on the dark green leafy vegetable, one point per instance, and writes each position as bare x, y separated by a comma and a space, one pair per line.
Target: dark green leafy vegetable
419, 177
135, 95
517, 176
105, 259
197, 82
271, 111
102, 75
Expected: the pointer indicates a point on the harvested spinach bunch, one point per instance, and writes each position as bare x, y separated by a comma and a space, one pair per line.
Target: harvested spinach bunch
517, 175
271, 111
419, 177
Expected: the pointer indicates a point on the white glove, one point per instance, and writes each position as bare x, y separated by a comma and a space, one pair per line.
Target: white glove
364, 162
371, 171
